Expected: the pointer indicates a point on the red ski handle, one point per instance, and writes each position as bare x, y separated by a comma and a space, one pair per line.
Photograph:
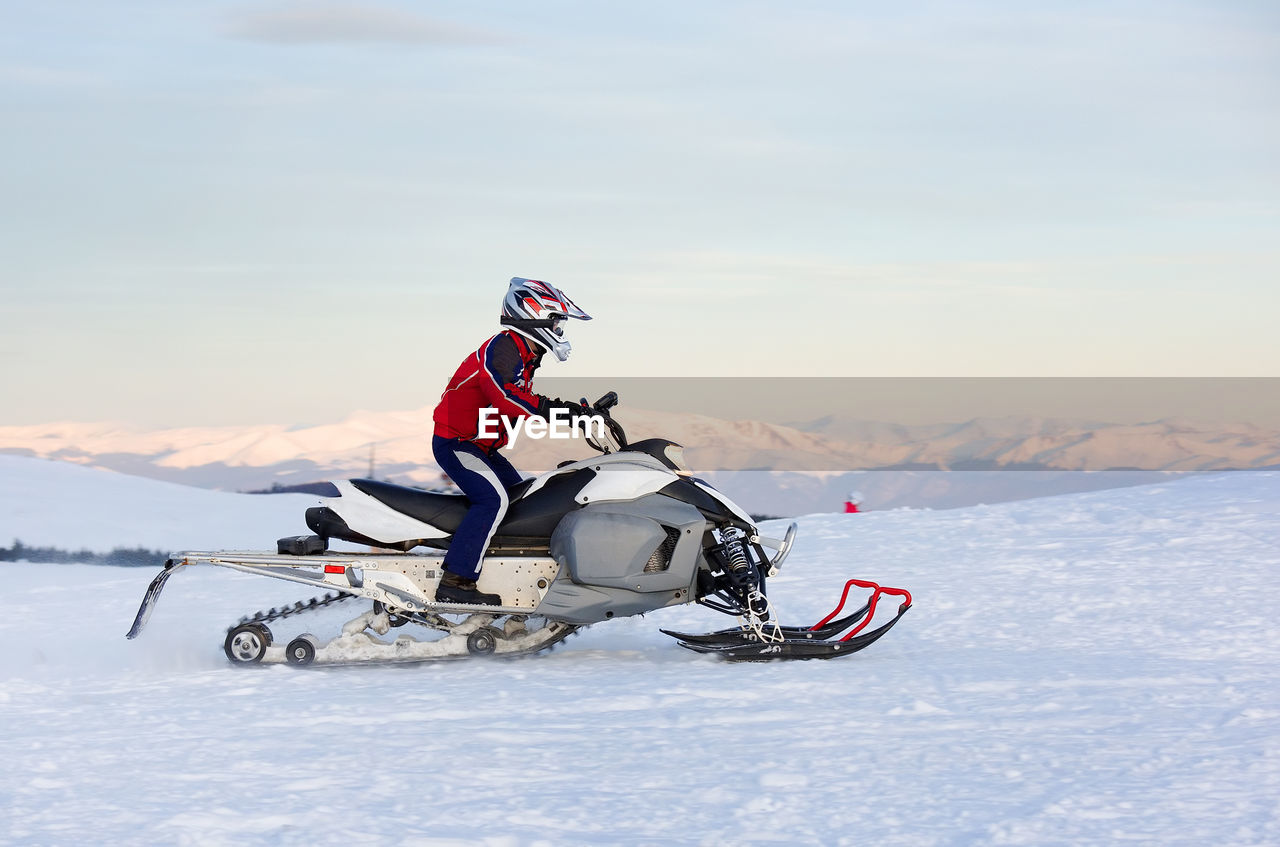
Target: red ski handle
876, 590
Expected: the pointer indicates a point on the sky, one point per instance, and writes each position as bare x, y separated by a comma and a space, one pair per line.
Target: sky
283, 212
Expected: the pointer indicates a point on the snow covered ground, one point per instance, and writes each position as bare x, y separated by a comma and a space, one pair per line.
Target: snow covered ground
1094, 668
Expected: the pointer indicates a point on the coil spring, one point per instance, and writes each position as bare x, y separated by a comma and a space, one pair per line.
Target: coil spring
734, 549
755, 604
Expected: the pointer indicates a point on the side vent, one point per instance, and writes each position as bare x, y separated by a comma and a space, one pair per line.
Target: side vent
661, 558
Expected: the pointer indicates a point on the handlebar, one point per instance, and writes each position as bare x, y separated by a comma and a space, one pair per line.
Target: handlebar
601, 407
605, 403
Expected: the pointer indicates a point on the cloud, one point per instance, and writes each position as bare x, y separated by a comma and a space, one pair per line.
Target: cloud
348, 24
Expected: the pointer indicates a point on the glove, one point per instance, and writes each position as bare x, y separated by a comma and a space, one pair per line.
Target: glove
547, 405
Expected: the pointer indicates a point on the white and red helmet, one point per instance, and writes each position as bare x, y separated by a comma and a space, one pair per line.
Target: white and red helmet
538, 311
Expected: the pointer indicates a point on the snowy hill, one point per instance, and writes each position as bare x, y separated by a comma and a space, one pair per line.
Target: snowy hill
58, 504
1086, 669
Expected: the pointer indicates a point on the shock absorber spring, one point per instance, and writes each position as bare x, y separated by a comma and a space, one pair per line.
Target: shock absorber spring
753, 605
734, 550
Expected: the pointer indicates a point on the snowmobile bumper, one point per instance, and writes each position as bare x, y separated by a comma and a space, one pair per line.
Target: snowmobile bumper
152, 596
782, 548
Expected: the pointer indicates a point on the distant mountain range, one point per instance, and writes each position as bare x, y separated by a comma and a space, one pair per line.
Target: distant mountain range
1055, 444
823, 451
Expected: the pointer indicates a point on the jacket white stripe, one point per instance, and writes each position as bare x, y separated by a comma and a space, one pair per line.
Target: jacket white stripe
475, 465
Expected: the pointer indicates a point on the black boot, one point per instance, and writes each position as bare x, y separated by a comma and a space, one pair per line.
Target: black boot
458, 589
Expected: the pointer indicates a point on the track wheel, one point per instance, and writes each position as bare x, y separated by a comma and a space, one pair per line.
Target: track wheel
301, 650
247, 643
483, 641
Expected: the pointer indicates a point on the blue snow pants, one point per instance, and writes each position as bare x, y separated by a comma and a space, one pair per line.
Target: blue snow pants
484, 478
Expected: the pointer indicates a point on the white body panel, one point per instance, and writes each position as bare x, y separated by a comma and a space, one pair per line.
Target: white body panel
624, 481
611, 461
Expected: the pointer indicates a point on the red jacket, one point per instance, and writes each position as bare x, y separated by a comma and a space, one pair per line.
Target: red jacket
499, 376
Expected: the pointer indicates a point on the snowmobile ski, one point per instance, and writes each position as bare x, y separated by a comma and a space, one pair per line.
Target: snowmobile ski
738, 635
763, 644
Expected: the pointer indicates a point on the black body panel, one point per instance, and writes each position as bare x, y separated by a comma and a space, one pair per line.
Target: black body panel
655, 448
538, 514
712, 509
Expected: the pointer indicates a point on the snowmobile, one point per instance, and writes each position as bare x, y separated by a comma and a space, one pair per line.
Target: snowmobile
624, 533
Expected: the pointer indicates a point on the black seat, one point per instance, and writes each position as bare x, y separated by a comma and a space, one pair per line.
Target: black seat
445, 511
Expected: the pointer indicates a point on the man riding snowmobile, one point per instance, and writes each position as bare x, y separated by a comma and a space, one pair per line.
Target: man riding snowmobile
497, 376
623, 533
